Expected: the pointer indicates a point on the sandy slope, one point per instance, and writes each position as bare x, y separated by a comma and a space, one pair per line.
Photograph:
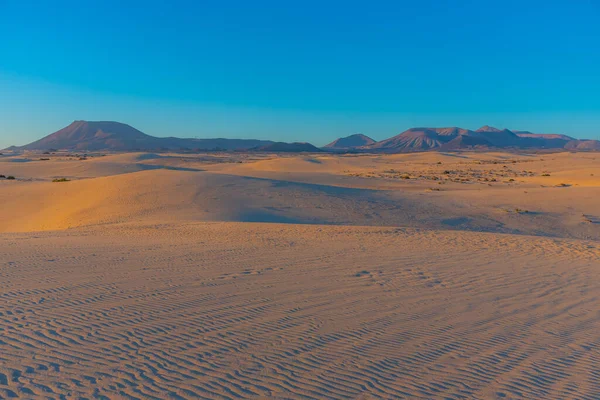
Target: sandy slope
438, 285
322, 189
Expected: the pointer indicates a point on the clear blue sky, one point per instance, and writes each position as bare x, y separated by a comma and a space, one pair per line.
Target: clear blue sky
299, 70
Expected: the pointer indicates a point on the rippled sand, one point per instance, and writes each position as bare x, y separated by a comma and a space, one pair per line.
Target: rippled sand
293, 278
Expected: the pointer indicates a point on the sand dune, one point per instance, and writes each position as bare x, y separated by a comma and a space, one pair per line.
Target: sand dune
231, 276
344, 190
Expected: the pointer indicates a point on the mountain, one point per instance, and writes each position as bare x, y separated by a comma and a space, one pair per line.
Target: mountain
282, 147
411, 139
498, 137
82, 136
487, 128
421, 139
583, 145
350, 142
116, 136
466, 142
453, 131
454, 138
552, 136
543, 140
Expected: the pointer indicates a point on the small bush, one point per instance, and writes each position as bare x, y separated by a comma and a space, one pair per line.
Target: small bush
10, 178
2, 176
61, 180
545, 174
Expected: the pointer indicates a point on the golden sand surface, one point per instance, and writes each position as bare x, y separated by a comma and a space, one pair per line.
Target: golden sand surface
230, 276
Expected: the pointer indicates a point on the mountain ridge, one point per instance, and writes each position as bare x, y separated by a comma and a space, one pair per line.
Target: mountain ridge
116, 136
83, 135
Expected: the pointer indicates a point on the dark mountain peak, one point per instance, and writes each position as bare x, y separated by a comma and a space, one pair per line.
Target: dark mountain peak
350, 142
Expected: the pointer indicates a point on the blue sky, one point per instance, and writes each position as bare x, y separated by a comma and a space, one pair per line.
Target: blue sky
310, 70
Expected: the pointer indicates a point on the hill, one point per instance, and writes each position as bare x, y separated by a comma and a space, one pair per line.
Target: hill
583, 145
350, 142
116, 136
282, 147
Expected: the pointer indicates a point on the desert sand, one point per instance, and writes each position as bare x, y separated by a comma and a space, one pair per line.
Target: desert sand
228, 276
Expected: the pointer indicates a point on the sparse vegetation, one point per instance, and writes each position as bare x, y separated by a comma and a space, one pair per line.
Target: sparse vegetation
61, 180
11, 178
2, 176
516, 211
362, 273
546, 174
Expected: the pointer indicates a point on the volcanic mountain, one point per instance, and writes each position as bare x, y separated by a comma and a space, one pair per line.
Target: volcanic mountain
116, 136
350, 142
420, 139
411, 139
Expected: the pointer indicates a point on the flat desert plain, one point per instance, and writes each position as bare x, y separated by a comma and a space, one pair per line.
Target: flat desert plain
230, 276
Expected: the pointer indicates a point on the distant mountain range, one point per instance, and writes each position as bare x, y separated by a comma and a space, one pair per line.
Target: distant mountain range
454, 138
114, 136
